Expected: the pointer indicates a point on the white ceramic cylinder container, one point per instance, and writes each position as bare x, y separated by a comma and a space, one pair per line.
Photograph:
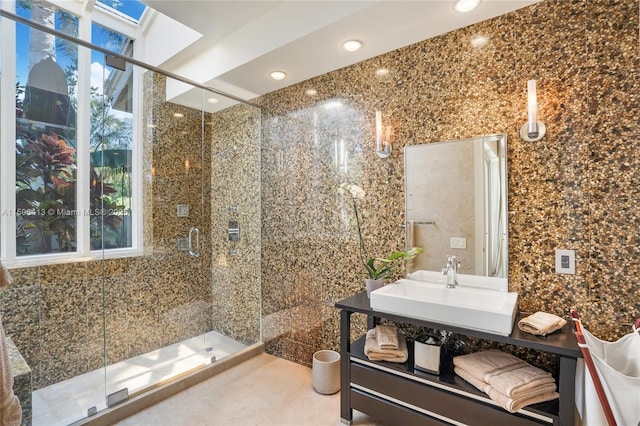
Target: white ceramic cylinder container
325, 372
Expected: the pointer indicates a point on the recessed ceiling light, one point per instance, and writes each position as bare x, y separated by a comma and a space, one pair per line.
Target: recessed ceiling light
278, 75
311, 92
352, 45
382, 72
212, 100
466, 5
178, 115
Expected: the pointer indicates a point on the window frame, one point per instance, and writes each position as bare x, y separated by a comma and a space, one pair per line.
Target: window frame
87, 16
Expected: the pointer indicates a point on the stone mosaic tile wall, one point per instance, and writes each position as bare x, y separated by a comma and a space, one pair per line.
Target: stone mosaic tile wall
576, 189
235, 195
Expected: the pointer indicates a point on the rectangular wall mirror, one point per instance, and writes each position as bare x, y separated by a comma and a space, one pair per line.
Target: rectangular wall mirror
456, 204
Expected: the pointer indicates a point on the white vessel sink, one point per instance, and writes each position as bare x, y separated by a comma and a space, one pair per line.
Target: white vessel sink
474, 308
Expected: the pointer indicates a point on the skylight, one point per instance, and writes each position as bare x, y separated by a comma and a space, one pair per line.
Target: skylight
132, 9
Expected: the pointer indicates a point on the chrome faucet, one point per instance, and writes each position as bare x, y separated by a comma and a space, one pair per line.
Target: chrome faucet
451, 271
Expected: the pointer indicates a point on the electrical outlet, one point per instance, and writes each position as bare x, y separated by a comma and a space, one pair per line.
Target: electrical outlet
566, 261
458, 243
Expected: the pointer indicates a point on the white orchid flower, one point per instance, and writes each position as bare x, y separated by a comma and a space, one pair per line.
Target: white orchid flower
357, 192
354, 190
377, 267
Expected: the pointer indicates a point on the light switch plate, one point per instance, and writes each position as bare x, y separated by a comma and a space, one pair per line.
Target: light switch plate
566, 261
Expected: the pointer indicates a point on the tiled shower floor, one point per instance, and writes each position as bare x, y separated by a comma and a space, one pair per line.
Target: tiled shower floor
68, 401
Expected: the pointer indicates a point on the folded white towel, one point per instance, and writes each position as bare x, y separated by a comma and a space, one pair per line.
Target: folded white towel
479, 384
543, 393
508, 380
523, 382
541, 323
513, 405
483, 365
373, 351
10, 411
387, 336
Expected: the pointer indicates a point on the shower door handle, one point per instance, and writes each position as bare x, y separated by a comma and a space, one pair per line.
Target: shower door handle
194, 252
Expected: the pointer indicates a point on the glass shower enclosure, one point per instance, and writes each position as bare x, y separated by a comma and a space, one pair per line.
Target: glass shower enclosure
132, 225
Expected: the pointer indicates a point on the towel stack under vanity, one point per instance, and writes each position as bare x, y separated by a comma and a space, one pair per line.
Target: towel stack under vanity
385, 343
508, 380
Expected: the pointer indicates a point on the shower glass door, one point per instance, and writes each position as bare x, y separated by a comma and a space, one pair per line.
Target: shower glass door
178, 229
156, 258
183, 291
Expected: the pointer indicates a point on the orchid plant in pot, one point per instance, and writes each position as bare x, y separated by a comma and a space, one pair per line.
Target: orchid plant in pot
378, 268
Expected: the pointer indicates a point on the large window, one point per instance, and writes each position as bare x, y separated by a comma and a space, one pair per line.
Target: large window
68, 188
46, 134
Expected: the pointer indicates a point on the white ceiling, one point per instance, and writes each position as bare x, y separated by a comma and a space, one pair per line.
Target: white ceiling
242, 41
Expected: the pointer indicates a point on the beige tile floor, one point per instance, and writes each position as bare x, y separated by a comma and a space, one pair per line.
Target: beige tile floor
262, 391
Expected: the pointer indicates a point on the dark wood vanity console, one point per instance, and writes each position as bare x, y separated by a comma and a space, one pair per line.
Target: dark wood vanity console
397, 395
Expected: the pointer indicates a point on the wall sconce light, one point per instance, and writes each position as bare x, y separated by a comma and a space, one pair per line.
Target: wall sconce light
383, 147
533, 130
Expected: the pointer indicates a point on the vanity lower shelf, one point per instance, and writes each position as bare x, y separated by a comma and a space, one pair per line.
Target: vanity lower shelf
444, 398
396, 394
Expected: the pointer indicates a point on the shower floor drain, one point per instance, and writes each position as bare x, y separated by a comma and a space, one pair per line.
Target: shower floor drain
208, 350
